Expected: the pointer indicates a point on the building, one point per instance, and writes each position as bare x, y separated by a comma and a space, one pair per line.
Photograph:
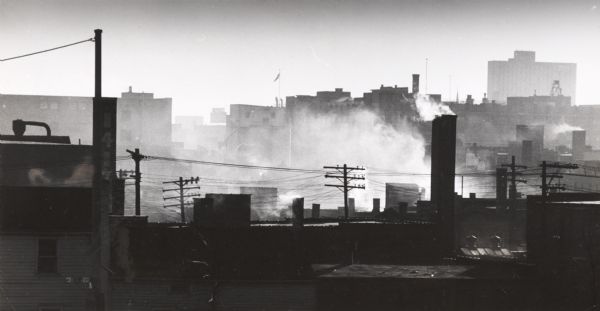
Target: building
523, 76
257, 135
218, 115
143, 120
46, 248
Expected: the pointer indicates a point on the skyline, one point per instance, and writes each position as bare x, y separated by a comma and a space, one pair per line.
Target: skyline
215, 53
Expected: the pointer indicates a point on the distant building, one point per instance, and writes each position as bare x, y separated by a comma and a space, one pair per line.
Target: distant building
322, 102
523, 76
142, 120
218, 115
257, 135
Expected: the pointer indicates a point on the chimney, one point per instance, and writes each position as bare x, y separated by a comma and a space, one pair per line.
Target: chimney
351, 207
298, 212
472, 195
376, 206
316, 211
443, 161
578, 145
130, 89
415, 83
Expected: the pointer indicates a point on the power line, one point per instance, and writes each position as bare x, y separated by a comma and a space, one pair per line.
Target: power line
48, 50
345, 179
274, 168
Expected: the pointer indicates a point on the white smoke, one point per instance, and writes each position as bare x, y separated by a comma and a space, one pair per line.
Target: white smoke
428, 109
283, 207
360, 138
557, 129
559, 134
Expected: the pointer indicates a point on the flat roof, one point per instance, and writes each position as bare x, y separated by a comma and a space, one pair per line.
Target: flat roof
422, 272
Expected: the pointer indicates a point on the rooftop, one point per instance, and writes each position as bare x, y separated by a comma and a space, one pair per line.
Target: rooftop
424, 272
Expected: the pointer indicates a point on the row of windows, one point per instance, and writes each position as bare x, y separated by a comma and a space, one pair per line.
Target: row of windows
54, 106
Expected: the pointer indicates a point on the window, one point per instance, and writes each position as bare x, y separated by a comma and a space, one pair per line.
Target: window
47, 256
43, 105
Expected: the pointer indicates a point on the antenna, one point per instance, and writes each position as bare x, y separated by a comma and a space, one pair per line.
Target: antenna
426, 61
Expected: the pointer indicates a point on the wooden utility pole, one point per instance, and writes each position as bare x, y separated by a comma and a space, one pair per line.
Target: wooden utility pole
137, 157
547, 178
547, 187
512, 192
181, 187
345, 179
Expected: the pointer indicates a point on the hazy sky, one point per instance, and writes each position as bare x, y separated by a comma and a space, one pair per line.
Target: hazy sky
207, 54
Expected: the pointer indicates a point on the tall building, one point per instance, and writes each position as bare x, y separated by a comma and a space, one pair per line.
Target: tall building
523, 76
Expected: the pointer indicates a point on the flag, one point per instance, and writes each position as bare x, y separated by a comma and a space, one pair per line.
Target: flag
277, 78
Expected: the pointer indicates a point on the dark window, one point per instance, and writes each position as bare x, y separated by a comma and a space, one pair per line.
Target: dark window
47, 258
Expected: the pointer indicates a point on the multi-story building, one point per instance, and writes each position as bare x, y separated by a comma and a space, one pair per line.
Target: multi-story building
523, 76
46, 243
143, 121
257, 135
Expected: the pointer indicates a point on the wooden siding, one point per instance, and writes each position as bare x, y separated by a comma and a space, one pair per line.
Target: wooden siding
22, 288
231, 295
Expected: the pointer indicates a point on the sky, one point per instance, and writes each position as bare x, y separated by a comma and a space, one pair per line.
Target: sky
207, 54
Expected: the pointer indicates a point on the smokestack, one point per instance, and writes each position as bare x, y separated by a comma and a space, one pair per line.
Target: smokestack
578, 145
376, 206
415, 83
443, 161
316, 211
351, 207
298, 212
534, 133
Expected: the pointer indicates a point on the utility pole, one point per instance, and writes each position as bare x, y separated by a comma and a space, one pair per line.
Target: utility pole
345, 179
181, 183
512, 192
137, 157
547, 187
547, 178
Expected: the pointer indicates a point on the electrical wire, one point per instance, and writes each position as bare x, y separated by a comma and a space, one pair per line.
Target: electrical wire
47, 50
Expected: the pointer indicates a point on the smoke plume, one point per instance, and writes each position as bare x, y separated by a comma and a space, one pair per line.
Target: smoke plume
360, 138
428, 109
